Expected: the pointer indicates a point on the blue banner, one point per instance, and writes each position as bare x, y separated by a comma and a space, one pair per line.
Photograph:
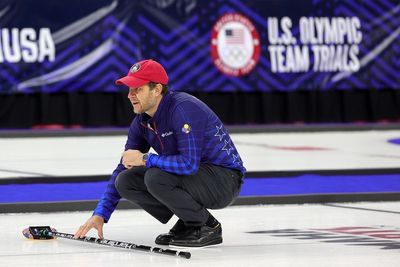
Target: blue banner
224, 46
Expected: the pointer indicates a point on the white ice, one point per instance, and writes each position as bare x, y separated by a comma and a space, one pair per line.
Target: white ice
238, 249
99, 155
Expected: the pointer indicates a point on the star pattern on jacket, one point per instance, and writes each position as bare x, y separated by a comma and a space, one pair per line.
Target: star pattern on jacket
220, 132
227, 147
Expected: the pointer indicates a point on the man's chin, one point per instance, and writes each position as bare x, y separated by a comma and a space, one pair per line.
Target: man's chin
137, 111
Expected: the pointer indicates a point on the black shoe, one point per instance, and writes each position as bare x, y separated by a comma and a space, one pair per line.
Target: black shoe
178, 228
200, 236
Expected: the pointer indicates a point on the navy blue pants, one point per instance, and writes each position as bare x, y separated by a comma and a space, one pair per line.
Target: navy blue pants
163, 194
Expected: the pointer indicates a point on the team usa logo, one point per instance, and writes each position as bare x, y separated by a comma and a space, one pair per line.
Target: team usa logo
235, 45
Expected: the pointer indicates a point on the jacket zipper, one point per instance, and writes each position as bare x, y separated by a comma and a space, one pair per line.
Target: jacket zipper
156, 133
158, 136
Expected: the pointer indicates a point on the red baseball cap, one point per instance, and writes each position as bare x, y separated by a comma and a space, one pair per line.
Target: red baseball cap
143, 72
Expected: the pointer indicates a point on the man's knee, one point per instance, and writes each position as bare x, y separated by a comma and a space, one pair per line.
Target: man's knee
128, 180
121, 182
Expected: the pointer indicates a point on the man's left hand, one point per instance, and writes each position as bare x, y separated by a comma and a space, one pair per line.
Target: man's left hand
132, 158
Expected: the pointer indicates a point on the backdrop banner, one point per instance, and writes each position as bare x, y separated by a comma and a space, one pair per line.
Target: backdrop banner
205, 46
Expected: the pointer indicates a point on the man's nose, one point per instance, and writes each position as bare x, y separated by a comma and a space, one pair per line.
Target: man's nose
131, 94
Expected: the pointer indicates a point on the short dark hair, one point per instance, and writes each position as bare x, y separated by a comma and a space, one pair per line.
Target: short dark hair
164, 87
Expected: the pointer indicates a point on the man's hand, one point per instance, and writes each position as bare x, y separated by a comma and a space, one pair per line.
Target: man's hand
132, 158
96, 222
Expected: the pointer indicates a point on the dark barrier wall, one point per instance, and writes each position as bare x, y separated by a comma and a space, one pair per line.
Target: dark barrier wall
113, 109
276, 61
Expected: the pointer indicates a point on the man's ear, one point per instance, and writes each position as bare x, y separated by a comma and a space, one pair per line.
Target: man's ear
158, 88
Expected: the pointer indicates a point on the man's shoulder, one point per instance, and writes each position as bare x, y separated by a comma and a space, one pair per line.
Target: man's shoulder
184, 102
179, 97
185, 99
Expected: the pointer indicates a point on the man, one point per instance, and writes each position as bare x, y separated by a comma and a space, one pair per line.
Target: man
196, 166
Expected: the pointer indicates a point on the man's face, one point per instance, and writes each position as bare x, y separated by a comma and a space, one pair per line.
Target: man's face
143, 99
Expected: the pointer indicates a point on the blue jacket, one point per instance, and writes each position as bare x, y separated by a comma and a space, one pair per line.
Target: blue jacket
184, 132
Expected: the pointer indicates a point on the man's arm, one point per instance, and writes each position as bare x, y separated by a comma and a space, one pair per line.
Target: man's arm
189, 123
110, 198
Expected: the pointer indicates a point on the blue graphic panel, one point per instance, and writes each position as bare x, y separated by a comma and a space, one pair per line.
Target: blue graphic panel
304, 45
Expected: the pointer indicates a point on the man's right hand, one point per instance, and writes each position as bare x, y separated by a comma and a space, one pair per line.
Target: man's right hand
96, 222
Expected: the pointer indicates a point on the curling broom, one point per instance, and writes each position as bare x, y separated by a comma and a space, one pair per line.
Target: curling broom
46, 232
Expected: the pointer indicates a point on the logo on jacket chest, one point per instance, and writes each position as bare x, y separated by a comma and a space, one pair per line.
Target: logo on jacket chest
167, 134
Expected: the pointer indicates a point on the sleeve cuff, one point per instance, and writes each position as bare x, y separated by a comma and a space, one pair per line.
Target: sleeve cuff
151, 160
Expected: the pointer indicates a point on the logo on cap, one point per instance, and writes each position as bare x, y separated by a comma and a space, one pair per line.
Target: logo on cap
135, 68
